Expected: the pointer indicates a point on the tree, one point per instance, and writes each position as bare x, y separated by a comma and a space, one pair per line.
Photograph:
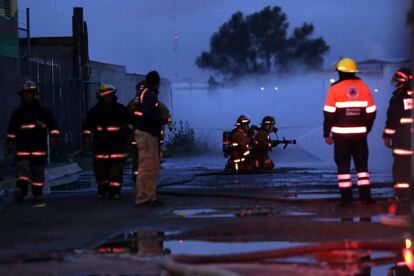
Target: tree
230, 51
258, 43
305, 50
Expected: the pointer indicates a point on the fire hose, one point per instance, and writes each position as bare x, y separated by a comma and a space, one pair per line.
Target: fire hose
289, 252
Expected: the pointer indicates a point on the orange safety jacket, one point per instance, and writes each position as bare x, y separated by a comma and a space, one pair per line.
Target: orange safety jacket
349, 109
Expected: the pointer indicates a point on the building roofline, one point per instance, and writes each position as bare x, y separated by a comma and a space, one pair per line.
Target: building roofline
48, 41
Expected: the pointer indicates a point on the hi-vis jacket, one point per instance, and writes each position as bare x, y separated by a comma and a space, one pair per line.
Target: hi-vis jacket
148, 115
29, 127
349, 109
399, 124
107, 125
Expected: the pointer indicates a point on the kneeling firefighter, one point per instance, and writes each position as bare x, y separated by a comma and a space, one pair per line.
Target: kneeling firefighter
263, 144
236, 144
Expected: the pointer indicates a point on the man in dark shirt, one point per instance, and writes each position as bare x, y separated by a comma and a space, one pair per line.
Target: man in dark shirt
148, 128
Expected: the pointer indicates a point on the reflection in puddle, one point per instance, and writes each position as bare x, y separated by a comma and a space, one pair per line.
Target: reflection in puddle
210, 248
140, 242
202, 213
315, 196
155, 243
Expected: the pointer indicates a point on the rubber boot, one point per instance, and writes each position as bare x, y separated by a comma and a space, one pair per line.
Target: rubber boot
21, 190
102, 190
402, 194
365, 193
38, 201
346, 195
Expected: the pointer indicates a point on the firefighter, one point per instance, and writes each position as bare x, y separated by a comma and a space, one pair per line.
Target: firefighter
398, 129
107, 124
263, 144
252, 132
349, 114
148, 126
131, 140
28, 130
239, 147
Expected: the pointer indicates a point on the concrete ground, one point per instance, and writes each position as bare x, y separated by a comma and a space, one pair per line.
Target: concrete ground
76, 233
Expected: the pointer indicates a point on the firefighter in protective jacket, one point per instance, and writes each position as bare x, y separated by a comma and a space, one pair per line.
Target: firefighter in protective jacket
263, 144
107, 124
239, 147
349, 114
398, 131
29, 127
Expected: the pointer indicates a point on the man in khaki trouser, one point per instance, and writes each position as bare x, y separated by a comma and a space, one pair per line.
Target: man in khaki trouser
148, 125
148, 168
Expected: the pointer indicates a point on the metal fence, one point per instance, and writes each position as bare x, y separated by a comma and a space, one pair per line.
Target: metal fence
63, 97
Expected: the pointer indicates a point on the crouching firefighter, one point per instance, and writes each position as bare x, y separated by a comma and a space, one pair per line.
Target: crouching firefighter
107, 125
236, 144
29, 128
263, 144
398, 130
349, 114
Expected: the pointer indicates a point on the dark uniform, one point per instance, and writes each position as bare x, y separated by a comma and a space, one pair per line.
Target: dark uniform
398, 131
108, 125
239, 160
131, 140
349, 114
29, 127
263, 144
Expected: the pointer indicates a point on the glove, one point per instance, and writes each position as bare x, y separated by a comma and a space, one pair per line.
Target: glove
329, 140
388, 142
275, 144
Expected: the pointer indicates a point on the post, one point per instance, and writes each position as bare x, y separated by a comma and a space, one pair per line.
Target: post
29, 50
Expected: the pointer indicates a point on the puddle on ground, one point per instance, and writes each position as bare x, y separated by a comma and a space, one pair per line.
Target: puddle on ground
375, 219
203, 213
213, 248
214, 213
312, 196
300, 214
150, 243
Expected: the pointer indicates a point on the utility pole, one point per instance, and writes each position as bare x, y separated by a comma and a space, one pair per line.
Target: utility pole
175, 40
29, 49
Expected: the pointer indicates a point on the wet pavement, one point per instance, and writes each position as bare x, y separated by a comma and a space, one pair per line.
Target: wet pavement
206, 212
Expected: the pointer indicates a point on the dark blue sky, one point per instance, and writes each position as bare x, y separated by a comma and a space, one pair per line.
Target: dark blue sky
140, 33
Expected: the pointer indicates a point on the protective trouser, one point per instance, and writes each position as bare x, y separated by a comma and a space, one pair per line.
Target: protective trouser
29, 172
401, 171
134, 156
148, 167
108, 175
262, 161
352, 148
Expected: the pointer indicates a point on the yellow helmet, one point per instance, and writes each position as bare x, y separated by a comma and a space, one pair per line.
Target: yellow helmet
347, 65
